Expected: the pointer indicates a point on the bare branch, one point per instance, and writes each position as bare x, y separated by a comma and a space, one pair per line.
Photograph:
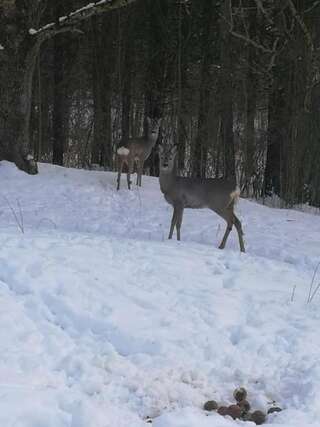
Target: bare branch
52, 32
315, 4
245, 38
252, 42
264, 12
273, 57
302, 25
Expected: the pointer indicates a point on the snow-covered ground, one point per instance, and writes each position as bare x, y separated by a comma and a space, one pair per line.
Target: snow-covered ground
104, 322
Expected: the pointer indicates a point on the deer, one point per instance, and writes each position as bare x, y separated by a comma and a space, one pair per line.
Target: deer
137, 152
219, 195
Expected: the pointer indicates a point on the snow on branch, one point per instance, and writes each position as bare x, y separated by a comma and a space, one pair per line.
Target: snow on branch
85, 12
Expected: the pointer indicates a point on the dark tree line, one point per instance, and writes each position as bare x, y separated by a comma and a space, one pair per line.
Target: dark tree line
237, 84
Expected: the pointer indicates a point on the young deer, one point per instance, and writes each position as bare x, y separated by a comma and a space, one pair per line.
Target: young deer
138, 151
219, 195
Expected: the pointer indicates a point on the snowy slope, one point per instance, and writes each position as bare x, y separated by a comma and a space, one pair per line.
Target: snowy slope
105, 323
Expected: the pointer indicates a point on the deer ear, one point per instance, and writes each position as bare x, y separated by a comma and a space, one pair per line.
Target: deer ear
160, 148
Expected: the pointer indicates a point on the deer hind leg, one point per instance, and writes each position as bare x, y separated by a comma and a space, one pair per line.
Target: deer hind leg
238, 226
226, 235
130, 170
231, 220
140, 174
138, 168
228, 216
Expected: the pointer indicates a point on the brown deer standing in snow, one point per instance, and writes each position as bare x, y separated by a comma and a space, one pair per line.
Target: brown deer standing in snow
137, 152
219, 195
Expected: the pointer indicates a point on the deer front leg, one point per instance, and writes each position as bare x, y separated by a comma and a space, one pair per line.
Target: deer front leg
137, 167
173, 223
130, 170
119, 175
140, 174
179, 221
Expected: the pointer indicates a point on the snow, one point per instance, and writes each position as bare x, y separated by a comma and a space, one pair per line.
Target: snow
104, 322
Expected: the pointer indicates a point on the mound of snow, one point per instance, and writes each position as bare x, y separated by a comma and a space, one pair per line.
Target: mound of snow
105, 322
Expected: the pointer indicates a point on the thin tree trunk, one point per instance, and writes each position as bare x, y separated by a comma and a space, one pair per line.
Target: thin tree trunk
58, 119
226, 89
251, 100
201, 143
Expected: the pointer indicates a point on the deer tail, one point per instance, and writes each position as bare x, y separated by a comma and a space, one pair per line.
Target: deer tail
234, 196
123, 151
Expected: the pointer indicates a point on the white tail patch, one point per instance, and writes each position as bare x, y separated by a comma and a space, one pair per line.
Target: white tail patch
234, 196
123, 151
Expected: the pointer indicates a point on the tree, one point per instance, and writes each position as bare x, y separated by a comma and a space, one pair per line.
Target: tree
22, 45
226, 85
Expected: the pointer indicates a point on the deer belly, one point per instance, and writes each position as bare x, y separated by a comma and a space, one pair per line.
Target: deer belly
195, 205
193, 202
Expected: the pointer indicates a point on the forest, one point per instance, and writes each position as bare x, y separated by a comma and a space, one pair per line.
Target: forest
236, 83
189, 297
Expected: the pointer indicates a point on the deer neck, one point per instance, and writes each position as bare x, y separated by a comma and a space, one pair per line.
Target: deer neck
151, 139
167, 179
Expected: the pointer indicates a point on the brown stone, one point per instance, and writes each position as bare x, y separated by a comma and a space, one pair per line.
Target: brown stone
211, 405
244, 405
223, 410
258, 417
240, 393
234, 411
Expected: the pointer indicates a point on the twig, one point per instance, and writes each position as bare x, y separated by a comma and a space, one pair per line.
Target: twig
18, 219
252, 42
311, 295
20, 215
315, 292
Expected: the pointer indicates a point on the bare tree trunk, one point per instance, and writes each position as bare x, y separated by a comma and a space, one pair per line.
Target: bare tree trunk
101, 152
18, 60
201, 145
59, 102
155, 79
251, 100
226, 89
14, 126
